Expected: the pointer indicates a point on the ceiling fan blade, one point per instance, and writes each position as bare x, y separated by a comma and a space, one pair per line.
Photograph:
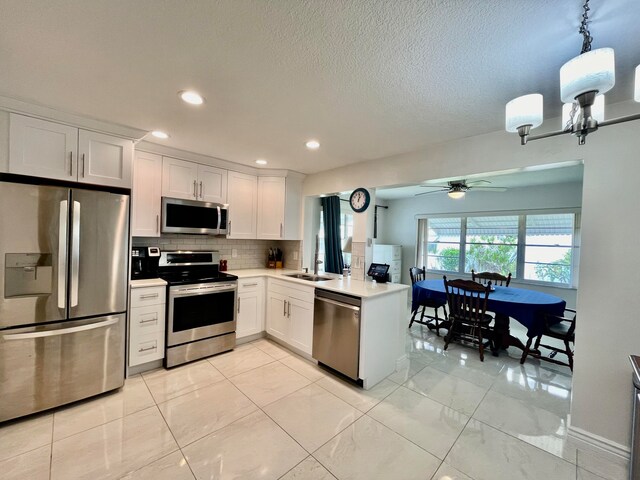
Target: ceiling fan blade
435, 186
477, 181
489, 189
434, 191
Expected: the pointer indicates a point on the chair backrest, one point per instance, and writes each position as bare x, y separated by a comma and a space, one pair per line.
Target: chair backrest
417, 274
467, 300
493, 277
565, 318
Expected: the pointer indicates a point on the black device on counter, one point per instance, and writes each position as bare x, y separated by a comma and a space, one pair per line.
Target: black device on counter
144, 262
379, 272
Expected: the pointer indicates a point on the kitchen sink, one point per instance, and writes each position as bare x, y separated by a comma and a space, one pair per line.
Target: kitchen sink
308, 276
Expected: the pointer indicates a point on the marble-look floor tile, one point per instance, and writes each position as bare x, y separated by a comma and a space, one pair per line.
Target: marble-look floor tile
308, 469
609, 467
451, 391
470, 368
172, 467
20, 436
113, 449
304, 367
447, 472
32, 465
271, 348
425, 422
536, 386
312, 415
538, 427
269, 383
240, 361
368, 449
363, 400
253, 447
408, 370
488, 454
587, 475
166, 384
131, 398
195, 414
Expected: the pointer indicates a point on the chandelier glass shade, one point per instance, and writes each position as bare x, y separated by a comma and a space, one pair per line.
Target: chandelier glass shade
592, 71
524, 110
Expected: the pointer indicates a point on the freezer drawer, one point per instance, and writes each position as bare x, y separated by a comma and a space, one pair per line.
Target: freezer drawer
45, 366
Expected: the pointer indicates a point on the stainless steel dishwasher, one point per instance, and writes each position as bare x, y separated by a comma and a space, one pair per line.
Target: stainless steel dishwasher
634, 464
336, 332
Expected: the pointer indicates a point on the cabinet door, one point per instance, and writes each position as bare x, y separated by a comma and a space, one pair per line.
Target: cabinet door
242, 193
147, 188
300, 324
277, 320
104, 160
271, 197
212, 184
42, 149
179, 179
248, 321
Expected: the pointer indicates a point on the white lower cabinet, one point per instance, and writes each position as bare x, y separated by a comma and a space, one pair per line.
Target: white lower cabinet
250, 318
146, 325
290, 314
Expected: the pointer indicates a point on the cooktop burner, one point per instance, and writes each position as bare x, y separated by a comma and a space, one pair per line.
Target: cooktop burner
190, 277
188, 267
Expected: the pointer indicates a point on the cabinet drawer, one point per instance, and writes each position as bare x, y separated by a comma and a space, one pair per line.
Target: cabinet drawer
147, 296
146, 348
395, 267
292, 289
395, 278
147, 319
396, 253
249, 285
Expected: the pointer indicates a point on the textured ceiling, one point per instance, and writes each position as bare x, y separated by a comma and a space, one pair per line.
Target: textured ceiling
367, 78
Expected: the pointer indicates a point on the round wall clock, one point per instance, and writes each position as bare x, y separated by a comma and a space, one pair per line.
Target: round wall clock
359, 200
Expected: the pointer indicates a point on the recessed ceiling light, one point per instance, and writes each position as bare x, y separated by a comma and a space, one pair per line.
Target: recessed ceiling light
160, 134
313, 144
189, 96
260, 161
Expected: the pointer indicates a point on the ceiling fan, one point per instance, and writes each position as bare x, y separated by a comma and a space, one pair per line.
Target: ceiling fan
457, 188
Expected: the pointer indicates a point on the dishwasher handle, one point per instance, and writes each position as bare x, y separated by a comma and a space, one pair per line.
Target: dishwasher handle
339, 304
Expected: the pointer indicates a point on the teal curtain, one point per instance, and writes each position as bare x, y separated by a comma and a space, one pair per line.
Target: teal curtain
332, 242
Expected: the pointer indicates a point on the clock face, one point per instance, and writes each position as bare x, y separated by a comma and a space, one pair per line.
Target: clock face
359, 200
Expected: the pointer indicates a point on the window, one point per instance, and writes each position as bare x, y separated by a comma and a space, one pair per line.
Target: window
346, 231
533, 247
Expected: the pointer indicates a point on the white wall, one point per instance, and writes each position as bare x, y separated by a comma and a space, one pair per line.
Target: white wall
608, 302
400, 227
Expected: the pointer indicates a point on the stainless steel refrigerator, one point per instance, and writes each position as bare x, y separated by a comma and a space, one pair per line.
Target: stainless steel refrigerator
63, 295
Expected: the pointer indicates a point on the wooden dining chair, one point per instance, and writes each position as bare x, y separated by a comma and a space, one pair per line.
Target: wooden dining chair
561, 328
467, 301
432, 321
494, 277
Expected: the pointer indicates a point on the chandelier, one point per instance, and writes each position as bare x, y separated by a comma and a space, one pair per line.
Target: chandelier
583, 82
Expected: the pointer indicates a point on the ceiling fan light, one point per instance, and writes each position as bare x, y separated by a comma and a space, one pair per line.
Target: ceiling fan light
597, 110
636, 95
524, 110
456, 194
592, 71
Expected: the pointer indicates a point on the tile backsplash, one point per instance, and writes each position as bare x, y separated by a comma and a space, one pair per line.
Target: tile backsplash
250, 253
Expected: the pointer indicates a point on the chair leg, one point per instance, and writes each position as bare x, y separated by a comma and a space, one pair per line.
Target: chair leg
569, 354
481, 343
413, 317
526, 349
437, 322
449, 335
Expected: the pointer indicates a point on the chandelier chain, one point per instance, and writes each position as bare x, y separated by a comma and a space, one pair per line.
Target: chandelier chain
584, 29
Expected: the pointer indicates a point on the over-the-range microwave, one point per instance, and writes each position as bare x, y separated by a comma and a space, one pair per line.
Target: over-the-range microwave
190, 216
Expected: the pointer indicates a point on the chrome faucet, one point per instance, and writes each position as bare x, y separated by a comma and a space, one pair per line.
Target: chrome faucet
316, 261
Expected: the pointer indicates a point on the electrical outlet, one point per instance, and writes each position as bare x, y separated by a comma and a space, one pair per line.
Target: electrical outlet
234, 253
295, 255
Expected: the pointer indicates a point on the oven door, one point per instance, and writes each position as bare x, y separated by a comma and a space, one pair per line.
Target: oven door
200, 311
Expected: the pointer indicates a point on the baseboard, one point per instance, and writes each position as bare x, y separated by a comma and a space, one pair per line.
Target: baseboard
591, 441
250, 338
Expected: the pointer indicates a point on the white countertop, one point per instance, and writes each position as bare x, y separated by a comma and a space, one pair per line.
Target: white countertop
357, 288
148, 282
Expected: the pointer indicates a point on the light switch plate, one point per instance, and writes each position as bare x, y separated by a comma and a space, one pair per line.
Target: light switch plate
234, 253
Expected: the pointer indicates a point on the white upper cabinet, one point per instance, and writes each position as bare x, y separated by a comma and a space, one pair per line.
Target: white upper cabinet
212, 184
42, 149
271, 205
179, 179
147, 189
52, 150
104, 160
193, 181
242, 193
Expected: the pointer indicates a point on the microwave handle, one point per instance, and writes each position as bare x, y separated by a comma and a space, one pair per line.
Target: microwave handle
219, 216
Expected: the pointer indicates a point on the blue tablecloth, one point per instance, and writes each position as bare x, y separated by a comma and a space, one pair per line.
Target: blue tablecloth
526, 306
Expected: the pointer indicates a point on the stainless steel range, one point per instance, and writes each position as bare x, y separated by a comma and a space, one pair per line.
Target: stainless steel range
201, 307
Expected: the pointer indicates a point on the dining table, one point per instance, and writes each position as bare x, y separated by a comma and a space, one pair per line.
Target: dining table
528, 307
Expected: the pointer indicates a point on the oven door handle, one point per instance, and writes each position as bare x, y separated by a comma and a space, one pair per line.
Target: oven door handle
191, 293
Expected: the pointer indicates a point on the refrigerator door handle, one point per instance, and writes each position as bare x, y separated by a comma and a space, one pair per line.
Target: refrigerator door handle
63, 226
75, 253
61, 331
